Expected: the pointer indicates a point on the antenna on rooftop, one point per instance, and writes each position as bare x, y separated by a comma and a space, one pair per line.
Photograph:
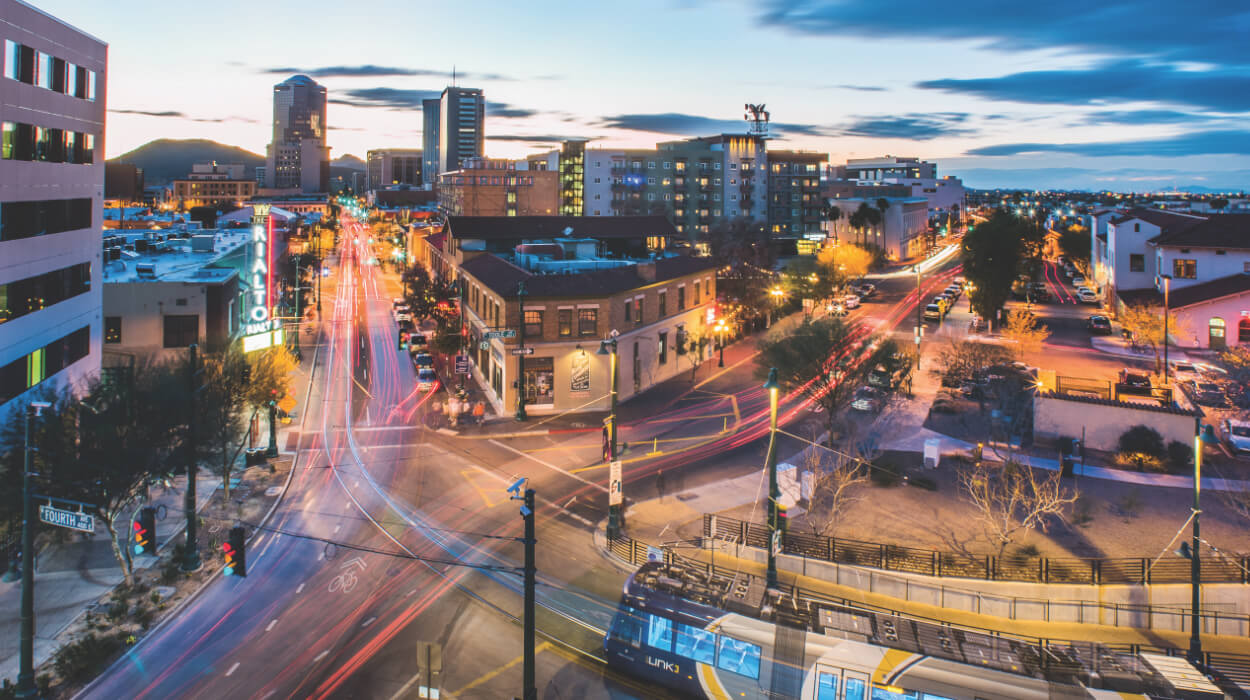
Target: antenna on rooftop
758, 116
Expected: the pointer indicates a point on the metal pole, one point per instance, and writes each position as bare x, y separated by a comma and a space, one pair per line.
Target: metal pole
298, 315
531, 686
320, 264
191, 555
26, 667
272, 449
520, 359
770, 464
616, 515
1195, 565
1167, 286
722, 350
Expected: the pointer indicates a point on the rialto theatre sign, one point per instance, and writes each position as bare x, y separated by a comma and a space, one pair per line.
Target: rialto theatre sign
261, 330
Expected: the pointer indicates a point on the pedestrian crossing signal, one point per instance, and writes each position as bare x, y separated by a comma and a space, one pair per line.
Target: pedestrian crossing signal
145, 531
234, 549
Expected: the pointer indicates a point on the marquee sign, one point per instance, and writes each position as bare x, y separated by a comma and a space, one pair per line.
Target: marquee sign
259, 320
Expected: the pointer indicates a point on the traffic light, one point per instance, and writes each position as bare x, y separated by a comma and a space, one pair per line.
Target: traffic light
403, 340
145, 531
235, 551
783, 520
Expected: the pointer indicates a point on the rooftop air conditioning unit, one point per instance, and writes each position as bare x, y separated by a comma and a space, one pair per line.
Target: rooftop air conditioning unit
146, 270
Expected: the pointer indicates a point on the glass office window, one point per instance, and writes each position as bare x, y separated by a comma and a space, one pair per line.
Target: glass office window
881, 692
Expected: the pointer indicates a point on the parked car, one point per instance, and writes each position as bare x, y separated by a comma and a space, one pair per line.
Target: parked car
1133, 382
866, 290
882, 378
836, 309
866, 399
978, 325
850, 301
398, 302
1208, 394
933, 312
961, 281
1184, 372
1098, 325
954, 292
403, 314
427, 379
944, 302
1078, 281
423, 359
1087, 296
1237, 432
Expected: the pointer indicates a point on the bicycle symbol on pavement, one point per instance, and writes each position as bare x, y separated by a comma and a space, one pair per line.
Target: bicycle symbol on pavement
347, 579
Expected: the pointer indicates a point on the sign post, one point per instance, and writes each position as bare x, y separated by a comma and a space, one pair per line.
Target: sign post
462, 364
505, 333
522, 351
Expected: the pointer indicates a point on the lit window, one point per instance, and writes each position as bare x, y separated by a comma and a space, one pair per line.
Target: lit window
659, 632
742, 658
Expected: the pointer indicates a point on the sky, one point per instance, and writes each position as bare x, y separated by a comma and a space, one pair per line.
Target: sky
1080, 94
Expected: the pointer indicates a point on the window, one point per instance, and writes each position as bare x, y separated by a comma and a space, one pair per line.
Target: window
28, 142
827, 686
650, 181
1186, 269
881, 692
695, 299
651, 164
681, 298
659, 632
181, 330
112, 329
587, 322
637, 311
668, 165
533, 323
627, 628
1136, 228
26, 296
31, 369
696, 643
855, 689
663, 304
564, 317
663, 351
1245, 267
742, 658
1136, 262
1243, 330
629, 310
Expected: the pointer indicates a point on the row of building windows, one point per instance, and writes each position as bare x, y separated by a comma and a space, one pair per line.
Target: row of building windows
26, 296
43, 217
27, 65
38, 143
29, 370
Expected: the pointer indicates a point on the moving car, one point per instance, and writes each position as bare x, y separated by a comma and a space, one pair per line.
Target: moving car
866, 290
1237, 432
837, 309
882, 377
417, 341
1099, 325
427, 379
850, 301
1185, 371
1087, 296
423, 359
1078, 281
866, 399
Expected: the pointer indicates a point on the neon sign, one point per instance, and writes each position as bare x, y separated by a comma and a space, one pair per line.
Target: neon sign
261, 330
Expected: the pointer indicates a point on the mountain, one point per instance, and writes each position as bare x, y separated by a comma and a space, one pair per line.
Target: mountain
349, 162
164, 160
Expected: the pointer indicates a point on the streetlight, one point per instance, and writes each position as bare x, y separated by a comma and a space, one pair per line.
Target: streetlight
1205, 435
1167, 287
26, 651
615, 520
720, 332
777, 294
770, 463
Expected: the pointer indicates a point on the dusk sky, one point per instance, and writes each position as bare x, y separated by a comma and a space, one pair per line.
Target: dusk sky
1066, 93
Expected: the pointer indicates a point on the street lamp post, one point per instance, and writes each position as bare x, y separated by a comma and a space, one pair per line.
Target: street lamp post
26, 651
1167, 287
615, 519
520, 358
774, 492
1203, 436
720, 333
776, 294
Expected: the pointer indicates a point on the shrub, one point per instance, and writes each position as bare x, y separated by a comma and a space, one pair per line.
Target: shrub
1139, 461
118, 610
923, 482
1144, 440
1180, 456
1129, 505
79, 660
1028, 550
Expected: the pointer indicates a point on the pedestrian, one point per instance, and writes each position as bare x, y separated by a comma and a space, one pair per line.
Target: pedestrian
479, 413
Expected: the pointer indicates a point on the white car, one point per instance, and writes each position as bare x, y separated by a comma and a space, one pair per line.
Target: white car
1185, 371
1087, 296
850, 301
1237, 432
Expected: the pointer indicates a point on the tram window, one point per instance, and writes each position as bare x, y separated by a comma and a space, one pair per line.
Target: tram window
696, 643
931, 696
827, 686
628, 628
882, 692
660, 633
854, 689
742, 658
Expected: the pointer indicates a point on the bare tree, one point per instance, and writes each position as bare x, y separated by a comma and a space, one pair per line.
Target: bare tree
835, 480
1011, 498
960, 360
1025, 331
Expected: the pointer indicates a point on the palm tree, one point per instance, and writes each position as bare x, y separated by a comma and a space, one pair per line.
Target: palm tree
859, 220
882, 205
832, 213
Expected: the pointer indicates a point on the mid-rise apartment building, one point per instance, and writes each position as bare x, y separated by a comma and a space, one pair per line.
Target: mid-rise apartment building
387, 167
496, 187
945, 195
52, 109
214, 184
795, 204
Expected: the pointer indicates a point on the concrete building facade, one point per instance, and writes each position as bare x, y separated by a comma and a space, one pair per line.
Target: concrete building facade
485, 187
52, 113
297, 157
386, 167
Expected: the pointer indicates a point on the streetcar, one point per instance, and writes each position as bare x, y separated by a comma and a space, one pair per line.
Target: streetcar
725, 636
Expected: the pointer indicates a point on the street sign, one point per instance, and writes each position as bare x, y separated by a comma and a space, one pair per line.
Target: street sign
483, 345
462, 364
614, 483
506, 333
67, 518
522, 351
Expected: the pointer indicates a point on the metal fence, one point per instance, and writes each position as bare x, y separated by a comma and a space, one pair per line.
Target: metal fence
928, 562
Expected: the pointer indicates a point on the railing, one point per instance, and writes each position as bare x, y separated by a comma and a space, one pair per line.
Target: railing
928, 562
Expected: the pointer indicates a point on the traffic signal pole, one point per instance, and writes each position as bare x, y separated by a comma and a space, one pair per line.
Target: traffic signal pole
531, 685
26, 651
191, 555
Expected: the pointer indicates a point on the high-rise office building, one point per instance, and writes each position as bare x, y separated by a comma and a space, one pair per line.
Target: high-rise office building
429, 139
298, 157
461, 114
51, 201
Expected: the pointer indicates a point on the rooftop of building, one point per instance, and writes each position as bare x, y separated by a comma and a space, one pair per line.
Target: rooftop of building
172, 255
551, 227
1211, 231
504, 277
1179, 298
1165, 220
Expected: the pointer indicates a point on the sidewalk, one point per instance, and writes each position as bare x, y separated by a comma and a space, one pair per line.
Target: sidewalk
71, 576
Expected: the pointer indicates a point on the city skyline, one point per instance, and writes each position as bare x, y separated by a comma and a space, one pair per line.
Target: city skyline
1127, 95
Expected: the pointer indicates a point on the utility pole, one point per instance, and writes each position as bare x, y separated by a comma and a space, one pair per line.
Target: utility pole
1203, 436
26, 664
529, 689
615, 510
774, 492
191, 556
272, 449
520, 358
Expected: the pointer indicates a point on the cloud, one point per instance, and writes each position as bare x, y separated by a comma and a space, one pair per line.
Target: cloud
384, 97
1091, 179
171, 114
1141, 116
504, 110
1196, 144
695, 125
916, 127
535, 138
859, 88
371, 71
1204, 31
1222, 90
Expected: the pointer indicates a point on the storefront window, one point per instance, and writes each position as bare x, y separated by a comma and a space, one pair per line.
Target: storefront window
539, 381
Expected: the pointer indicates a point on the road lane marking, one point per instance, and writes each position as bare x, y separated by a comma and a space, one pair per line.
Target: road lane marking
321, 656
469, 475
258, 540
271, 624
549, 465
300, 589
337, 528
368, 622
486, 678
233, 668
553, 504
